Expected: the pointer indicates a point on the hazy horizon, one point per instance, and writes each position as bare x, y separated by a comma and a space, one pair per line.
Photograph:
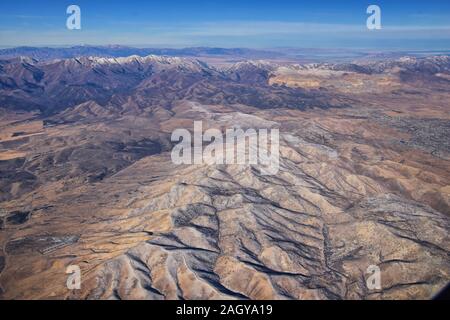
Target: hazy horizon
233, 24
168, 47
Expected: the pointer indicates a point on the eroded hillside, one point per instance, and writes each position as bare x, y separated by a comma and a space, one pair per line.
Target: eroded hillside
87, 180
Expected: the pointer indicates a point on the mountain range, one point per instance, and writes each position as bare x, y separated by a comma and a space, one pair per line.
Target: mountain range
87, 177
302, 55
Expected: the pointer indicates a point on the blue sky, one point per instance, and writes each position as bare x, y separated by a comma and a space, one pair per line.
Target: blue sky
233, 23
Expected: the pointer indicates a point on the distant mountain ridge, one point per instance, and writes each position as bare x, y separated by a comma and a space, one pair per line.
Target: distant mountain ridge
303, 55
48, 53
53, 86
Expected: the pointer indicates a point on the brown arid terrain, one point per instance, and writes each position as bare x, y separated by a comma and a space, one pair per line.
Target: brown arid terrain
87, 179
